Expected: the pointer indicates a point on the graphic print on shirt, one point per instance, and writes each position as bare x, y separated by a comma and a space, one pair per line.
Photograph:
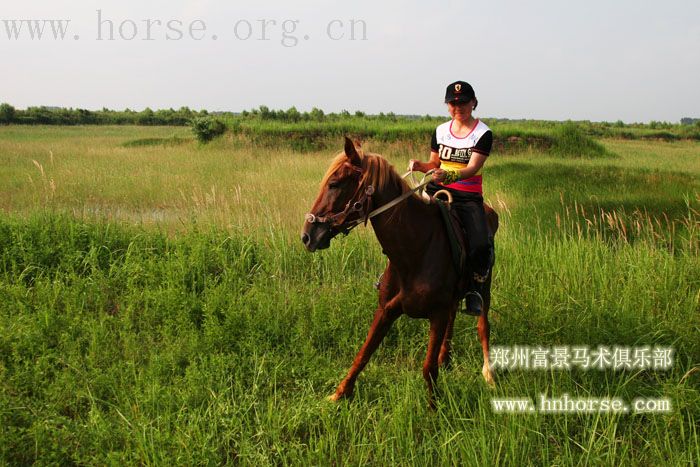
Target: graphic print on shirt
456, 152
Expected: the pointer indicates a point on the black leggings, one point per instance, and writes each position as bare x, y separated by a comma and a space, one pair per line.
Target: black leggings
470, 208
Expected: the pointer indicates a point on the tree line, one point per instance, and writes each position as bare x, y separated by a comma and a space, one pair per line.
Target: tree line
185, 116
62, 116
170, 117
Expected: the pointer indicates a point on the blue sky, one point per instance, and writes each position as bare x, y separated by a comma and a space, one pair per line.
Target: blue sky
594, 60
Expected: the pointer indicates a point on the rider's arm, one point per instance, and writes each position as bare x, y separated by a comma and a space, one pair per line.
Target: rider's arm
480, 152
475, 163
433, 163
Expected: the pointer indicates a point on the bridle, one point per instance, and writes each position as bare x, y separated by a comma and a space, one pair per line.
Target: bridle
361, 206
359, 203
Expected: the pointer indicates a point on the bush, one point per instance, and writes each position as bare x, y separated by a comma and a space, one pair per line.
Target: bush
147, 117
571, 141
206, 129
7, 114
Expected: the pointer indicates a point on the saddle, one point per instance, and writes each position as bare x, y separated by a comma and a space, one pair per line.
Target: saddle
456, 235
459, 243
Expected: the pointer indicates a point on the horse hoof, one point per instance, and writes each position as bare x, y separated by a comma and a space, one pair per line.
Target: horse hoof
488, 377
334, 397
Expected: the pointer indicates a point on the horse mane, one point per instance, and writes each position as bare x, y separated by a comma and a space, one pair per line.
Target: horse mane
377, 172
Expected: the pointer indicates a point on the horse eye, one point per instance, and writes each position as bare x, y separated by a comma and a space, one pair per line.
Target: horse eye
333, 185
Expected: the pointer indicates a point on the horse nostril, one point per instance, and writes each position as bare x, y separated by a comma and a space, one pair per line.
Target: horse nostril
305, 239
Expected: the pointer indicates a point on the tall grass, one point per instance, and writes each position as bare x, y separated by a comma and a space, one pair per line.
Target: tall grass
319, 135
123, 344
203, 333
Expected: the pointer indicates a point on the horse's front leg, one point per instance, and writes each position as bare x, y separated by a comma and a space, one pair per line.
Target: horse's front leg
383, 319
438, 328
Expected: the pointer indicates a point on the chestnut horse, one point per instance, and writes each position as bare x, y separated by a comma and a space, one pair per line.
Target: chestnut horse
419, 280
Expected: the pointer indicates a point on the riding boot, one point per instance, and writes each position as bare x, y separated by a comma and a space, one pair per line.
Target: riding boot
474, 299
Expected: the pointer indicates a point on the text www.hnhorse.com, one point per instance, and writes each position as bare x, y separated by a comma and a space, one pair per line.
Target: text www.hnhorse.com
567, 404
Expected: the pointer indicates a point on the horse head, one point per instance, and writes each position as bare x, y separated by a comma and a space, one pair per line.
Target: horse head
343, 201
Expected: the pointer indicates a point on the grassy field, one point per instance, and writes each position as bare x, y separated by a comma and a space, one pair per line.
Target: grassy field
509, 135
157, 307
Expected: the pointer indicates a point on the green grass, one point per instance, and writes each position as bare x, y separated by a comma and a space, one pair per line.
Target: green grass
171, 141
569, 139
157, 307
511, 136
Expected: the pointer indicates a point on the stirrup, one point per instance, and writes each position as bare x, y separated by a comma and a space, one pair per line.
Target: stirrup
469, 311
378, 284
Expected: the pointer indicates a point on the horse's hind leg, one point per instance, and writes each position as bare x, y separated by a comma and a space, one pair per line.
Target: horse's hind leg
446, 347
484, 332
383, 319
438, 327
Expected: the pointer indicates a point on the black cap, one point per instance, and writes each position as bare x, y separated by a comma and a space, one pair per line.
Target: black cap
459, 91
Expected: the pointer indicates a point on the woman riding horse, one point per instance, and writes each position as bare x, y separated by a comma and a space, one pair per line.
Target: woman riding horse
458, 151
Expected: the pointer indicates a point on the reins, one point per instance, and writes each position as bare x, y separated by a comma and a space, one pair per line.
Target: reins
396, 200
358, 206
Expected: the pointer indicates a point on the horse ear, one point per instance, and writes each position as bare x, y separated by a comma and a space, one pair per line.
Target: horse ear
353, 152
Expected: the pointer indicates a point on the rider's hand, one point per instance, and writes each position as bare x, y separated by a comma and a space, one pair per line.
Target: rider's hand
438, 175
413, 164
